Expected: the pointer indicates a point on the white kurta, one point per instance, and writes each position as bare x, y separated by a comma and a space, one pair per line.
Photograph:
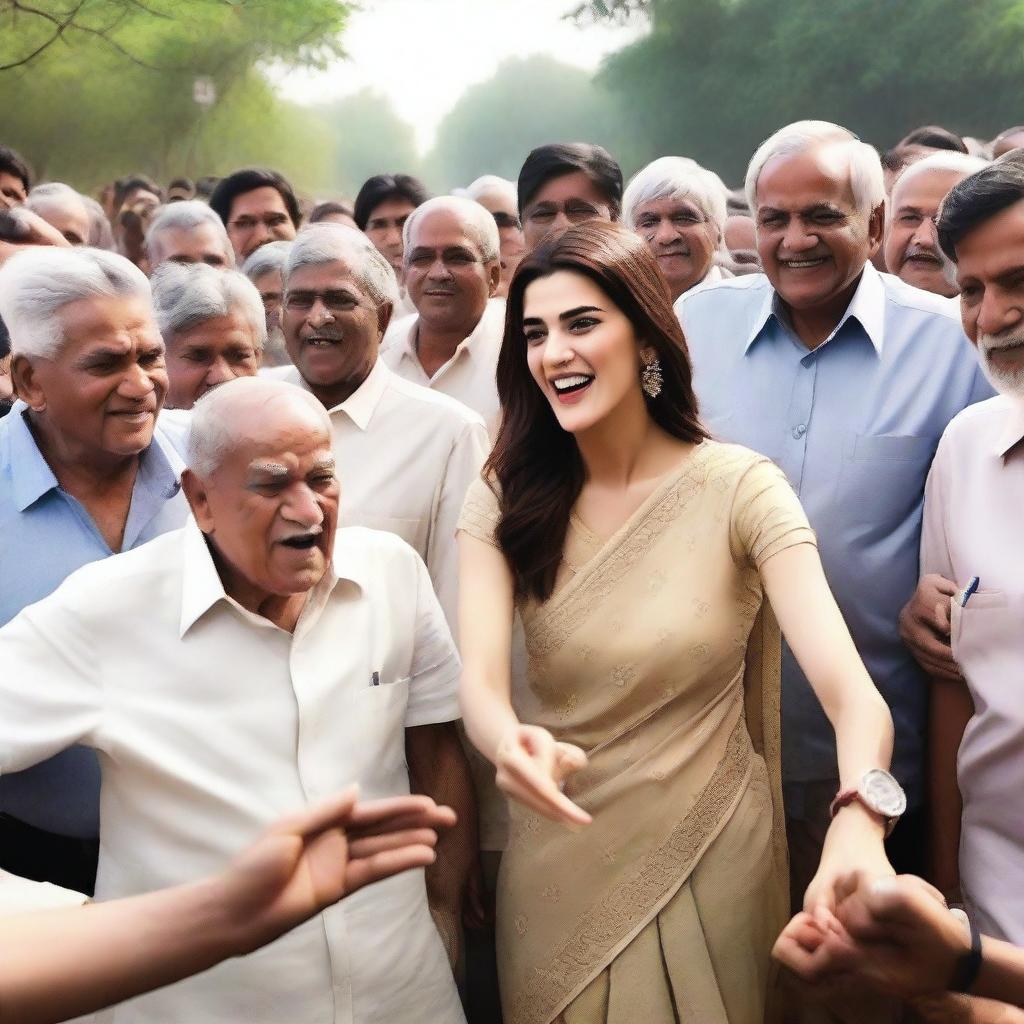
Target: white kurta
406, 457
211, 723
974, 502
469, 376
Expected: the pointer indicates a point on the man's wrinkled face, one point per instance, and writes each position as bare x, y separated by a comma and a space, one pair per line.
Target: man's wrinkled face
990, 272
270, 509
70, 218
510, 234
445, 273
812, 239
384, 229
681, 238
331, 326
102, 391
257, 217
911, 242
568, 199
211, 353
12, 191
201, 244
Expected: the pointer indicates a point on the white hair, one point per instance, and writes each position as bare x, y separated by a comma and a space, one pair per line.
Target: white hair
101, 236
865, 168
676, 177
944, 161
488, 184
325, 242
54, 194
186, 295
186, 216
267, 259
477, 221
215, 421
37, 284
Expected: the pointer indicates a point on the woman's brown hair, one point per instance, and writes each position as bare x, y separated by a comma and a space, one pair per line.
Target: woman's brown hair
536, 463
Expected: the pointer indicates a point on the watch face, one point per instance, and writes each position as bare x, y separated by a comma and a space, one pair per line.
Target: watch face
882, 793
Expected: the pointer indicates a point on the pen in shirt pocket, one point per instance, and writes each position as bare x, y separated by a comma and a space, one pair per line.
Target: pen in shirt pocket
375, 679
965, 595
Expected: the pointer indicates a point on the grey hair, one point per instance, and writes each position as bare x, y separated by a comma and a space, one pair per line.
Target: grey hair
35, 285
324, 242
186, 295
488, 183
866, 179
478, 222
100, 234
267, 259
945, 160
186, 216
676, 177
51, 194
214, 421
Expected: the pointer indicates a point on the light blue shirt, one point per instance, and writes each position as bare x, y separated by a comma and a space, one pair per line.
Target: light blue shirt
45, 535
854, 424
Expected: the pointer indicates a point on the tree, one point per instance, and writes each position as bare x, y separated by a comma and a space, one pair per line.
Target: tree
527, 103
94, 105
715, 77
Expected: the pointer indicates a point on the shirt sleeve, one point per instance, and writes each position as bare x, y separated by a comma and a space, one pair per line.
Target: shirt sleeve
49, 693
935, 557
767, 516
481, 512
19, 896
434, 676
467, 457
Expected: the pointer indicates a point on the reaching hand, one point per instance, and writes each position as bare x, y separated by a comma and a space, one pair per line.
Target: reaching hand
309, 861
925, 627
532, 767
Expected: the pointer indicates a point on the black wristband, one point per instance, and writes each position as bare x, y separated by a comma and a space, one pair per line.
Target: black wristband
965, 973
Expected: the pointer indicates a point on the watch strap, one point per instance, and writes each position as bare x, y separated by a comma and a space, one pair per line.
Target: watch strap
965, 973
845, 797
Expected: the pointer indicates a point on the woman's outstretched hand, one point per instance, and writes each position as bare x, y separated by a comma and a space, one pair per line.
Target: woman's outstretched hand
532, 767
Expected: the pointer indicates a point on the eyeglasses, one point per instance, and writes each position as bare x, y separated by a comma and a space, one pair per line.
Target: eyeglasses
334, 301
269, 220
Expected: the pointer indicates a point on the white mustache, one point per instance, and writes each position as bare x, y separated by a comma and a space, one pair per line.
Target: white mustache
313, 531
994, 342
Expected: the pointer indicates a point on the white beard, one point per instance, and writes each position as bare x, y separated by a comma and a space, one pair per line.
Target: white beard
1006, 382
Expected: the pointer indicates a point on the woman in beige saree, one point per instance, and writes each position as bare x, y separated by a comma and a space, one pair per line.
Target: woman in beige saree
653, 692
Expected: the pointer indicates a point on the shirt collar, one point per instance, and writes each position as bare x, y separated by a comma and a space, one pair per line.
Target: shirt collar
470, 346
159, 468
361, 404
867, 306
202, 588
1012, 432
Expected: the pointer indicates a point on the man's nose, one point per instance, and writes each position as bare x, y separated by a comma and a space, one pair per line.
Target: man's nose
797, 238
302, 505
998, 313
136, 383
925, 234
219, 372
665, 233
319, 314
560, 222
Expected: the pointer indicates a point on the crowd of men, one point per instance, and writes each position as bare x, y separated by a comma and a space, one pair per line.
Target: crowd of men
202, 382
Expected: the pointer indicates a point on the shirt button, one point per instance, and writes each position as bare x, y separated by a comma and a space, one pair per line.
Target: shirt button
799, 430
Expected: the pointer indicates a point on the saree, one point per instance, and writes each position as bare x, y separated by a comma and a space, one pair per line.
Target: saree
657, 655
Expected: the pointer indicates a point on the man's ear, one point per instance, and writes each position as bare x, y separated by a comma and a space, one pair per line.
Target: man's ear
384, 312
493, 278
26, 383
198, 500
876, 227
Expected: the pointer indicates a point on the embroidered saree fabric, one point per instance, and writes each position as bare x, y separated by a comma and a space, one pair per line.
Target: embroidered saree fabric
657, 655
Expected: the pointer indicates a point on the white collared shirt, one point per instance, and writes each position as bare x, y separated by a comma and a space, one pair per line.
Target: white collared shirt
974, 501
406, 457
468, 376
211, 723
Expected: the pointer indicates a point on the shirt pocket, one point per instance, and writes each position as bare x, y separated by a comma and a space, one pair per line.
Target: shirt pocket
377, 728
884, 475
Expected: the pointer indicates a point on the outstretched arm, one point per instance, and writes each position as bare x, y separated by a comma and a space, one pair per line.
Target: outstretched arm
62, 963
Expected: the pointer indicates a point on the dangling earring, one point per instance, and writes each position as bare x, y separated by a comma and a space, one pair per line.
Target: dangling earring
651, 378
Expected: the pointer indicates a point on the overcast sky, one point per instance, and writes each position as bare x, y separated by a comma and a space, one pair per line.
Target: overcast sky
424, 54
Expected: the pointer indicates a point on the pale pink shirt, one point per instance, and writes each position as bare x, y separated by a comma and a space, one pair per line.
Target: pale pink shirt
974, 503
469, 376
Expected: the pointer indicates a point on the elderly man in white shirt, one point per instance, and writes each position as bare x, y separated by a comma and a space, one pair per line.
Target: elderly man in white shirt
968, 611
254, 661
406, 454
452, 272
678, 208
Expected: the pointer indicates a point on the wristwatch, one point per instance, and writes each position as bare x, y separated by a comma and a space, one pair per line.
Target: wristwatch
878, 791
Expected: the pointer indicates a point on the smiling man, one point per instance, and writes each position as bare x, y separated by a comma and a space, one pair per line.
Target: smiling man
188, 232
911, 244
452, 271
250, 663
81, 477
846, 378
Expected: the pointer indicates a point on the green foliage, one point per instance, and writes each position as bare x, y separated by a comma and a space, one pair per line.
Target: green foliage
368, 138
527, 103
99, 103
715, 77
